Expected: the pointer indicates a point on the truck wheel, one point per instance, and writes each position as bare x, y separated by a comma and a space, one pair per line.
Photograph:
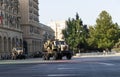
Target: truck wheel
44, 58
55, 56
60, 56
47, 57
68, 56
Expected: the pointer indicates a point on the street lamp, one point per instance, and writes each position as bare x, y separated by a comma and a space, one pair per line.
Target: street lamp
79, 43
73, 40
56, 31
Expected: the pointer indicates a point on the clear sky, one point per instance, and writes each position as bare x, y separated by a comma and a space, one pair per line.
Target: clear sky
88, 10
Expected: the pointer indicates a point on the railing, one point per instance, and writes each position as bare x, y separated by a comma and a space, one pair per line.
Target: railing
96, 54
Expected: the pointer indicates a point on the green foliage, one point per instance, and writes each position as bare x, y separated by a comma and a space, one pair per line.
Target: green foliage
105, 33
75, 32
117, 45
92, 41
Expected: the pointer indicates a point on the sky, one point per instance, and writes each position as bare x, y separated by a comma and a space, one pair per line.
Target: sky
88, 10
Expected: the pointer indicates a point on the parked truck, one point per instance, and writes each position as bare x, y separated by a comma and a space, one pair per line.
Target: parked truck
57, 50
17, 53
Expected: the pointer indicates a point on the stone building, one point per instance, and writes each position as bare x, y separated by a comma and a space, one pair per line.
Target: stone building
47, 33
30, 25
20, 27
10, 29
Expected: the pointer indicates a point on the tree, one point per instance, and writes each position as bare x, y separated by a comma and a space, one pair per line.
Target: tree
92, 40
75, 33
105, 33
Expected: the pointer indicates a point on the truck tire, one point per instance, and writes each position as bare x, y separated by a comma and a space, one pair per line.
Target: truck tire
46, 56
60, 56
68, 56
55, 56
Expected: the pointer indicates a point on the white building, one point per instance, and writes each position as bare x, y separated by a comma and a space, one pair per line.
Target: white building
58, 26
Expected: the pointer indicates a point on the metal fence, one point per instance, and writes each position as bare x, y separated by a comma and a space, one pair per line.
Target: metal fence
96, 53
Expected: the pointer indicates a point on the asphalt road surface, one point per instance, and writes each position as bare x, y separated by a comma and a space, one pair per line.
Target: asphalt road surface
77, 67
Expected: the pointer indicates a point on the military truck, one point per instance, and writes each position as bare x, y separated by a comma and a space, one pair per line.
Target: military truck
57, 50
17, 53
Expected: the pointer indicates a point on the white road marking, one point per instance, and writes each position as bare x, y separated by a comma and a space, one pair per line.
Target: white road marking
62, 75
67, 68
61, 65
107, 64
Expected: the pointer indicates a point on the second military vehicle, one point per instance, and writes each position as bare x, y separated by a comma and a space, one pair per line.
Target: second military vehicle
57, 50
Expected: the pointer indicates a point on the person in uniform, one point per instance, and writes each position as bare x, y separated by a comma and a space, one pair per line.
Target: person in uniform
54, 47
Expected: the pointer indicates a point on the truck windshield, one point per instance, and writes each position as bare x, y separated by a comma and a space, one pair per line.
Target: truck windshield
62, 42
19, 48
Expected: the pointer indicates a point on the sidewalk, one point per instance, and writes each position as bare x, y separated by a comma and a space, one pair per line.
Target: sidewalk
99, 55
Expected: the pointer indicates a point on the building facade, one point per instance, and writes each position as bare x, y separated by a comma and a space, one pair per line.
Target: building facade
20, 27
58, 26
47, 33
30, 25
10, 29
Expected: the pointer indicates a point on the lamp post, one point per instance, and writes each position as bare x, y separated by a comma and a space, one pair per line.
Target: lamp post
79, 43
73, 40
56, 33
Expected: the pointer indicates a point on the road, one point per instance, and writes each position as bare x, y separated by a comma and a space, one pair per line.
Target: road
77, 67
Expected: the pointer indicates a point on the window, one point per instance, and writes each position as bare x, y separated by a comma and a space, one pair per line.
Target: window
31, 29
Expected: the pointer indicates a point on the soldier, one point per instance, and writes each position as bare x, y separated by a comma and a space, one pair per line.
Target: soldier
48, 46
45, 46
54, 47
